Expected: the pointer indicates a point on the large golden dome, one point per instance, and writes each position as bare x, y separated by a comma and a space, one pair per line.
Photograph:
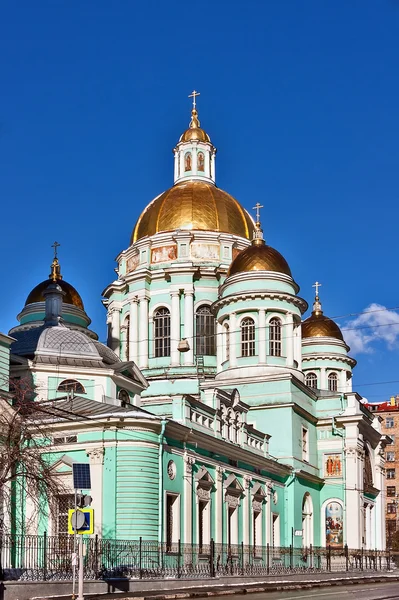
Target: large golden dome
194, 205
259, 257
317, 325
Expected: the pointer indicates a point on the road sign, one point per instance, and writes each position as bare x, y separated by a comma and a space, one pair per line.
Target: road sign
81, 521
81, 476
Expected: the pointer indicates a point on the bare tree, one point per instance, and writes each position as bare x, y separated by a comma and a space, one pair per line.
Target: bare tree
27, 474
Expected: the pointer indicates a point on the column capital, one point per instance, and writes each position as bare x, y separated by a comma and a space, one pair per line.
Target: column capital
219, 473
96, 455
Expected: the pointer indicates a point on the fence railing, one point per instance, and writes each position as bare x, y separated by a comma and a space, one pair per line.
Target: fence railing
49, 558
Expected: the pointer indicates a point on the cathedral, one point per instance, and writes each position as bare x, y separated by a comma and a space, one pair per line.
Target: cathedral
216, 410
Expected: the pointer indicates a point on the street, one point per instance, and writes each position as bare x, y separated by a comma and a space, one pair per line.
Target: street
373, 591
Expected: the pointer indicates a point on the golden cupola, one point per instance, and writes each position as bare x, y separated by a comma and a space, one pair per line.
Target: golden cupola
71, 296
194, 202
318, 325
259, 257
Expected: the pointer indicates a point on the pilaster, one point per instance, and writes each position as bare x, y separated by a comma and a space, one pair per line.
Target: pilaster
143, 333
96, 456
175, 328
189, 325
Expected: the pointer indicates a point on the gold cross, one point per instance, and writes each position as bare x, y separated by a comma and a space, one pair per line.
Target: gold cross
257, 207
193, 96
55, 246
317, 285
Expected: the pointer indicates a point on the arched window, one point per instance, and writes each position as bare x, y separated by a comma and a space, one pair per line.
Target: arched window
311, 380
187, 161
71, 385
124, 397
307, 520
162, 332
275, 337
247, 337
205, 332
201, 161
333, 382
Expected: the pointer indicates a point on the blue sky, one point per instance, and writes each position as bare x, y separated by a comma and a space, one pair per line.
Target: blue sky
300, 98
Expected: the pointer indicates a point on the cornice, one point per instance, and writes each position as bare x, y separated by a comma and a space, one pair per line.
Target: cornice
262, 295
324, 340
329, 356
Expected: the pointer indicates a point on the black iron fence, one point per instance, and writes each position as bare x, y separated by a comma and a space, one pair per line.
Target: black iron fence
50, 558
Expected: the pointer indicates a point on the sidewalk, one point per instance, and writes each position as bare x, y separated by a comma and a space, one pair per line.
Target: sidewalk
171, 589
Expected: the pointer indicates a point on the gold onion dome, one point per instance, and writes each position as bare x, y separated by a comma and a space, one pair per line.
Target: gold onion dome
259, 257
317, 325
194, 205
194, 131
71, 296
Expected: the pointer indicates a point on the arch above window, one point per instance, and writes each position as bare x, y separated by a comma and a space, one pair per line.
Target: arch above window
161, 319
275, 336
311, 380
124, 397
205, 326
71, 385
247, 337
333, 382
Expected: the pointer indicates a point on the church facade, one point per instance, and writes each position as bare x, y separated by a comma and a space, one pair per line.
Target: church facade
215, 411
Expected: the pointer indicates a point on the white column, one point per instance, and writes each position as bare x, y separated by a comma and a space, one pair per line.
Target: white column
96, 456
262, 335
176, 165
115, 331
323, 378
207, 159
354, 508
133, 330
189, 325
143, 333
233, 339
181, 153
212, 173
175, 328
218, 516
188, 498
194, 161
288, 334
246, 511
298, 346
219, 346
342, 382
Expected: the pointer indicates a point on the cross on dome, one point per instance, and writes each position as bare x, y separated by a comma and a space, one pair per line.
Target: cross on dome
317, 285
317, 304
56, 245
193, 95
257, 208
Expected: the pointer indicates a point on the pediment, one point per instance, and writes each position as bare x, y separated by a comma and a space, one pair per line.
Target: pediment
232, 484
64, 464
258, 491
203, 476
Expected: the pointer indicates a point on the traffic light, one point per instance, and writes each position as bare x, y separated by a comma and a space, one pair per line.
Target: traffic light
83, 500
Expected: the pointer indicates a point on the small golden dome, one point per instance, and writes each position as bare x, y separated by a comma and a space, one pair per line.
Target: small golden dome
194, 132
259, 257
194, 205
71, 295
317, 325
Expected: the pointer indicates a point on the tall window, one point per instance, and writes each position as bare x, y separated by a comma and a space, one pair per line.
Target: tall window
391, 491
311, 380
247, 337
162, 332
172, 524
389, 422
205, 332
333, 382
71, 385
201, 161
65, 502
390, 473
305, 444
390, 456
275, 337
124, 397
